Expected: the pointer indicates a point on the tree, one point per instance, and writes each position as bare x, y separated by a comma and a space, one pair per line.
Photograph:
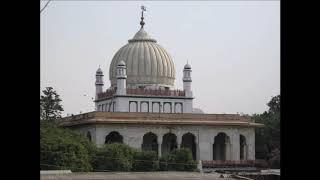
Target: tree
268, 137
114, 157
64, 149
50, 107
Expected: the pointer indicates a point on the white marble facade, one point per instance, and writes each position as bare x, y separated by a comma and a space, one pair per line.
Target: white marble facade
204, 137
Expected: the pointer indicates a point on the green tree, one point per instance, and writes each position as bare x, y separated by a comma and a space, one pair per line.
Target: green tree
114, 157
50, 107
268, 137
178, 160
145, 161
64, 149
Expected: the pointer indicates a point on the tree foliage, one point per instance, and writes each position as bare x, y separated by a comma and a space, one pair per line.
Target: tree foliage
114, 157
50, 107
64, 149
268, 137
178, 160
145, 161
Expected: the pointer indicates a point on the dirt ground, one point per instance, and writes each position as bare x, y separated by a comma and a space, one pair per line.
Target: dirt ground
137, 176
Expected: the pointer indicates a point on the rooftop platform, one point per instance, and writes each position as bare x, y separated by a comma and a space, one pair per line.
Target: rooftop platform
158, 118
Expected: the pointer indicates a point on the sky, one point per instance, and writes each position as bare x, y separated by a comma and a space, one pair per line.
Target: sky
232, 46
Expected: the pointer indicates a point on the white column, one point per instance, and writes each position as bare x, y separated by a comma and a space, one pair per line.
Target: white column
100, 137
205, 149
235, 145
179, 140
159, 145
251, 146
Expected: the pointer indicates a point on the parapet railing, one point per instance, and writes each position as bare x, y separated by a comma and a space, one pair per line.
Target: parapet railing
146, 92
156, 92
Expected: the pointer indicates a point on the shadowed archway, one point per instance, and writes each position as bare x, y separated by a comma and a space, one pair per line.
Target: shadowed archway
221, 147
169, 143
114, 137
150, 142
188, 141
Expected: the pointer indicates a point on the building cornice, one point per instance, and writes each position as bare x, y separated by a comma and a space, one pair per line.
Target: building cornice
158, 119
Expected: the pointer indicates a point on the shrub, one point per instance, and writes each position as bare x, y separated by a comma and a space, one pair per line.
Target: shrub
145, 161
64, 149
114, 157
184, 160
178, 160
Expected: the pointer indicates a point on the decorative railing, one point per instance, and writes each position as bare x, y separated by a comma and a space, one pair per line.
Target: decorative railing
107, 93
156, 92
145, 92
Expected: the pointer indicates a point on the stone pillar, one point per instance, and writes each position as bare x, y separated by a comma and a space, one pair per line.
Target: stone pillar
245, 153
235, 145
251, 146
205, 148
228, 150
159, 145
126, 139
197, 148
100, 137
179, 140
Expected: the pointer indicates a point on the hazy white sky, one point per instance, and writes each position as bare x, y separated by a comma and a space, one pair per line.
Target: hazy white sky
233, 48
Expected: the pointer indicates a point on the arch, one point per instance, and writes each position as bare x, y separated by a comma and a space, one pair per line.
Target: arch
89, 135
113, 137
189, 141
243, 147
221, 147
144, 106
150, 142
133, 107
169, 143
156, 107
167, 107
178, 108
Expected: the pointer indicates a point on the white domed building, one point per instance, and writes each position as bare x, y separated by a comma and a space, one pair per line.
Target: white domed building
143, 109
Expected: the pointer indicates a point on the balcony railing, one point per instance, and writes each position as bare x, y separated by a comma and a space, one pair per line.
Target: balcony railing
143, 92
155, 92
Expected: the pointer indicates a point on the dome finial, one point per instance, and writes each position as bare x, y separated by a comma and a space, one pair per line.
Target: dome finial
143, 8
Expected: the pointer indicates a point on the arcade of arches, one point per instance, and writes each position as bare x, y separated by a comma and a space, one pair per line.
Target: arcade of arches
221, 148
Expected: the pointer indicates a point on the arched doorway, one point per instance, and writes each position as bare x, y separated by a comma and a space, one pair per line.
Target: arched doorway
221, 147
169, 143
188, 141
243, 147
89, 136
114, 137
150, 142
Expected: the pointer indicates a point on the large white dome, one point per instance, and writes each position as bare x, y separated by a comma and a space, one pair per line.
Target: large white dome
147, 62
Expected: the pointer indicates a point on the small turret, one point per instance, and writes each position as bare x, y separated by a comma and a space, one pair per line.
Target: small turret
187, 80
121, 78
99, 82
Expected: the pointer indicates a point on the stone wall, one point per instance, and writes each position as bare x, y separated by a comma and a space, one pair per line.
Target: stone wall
204, 137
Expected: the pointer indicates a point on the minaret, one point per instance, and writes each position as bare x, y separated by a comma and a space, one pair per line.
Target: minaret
121, 78
187, 80
99, 82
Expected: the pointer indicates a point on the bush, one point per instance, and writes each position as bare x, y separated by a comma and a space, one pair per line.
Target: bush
145, 161
64, 149
114, 157
178, 160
